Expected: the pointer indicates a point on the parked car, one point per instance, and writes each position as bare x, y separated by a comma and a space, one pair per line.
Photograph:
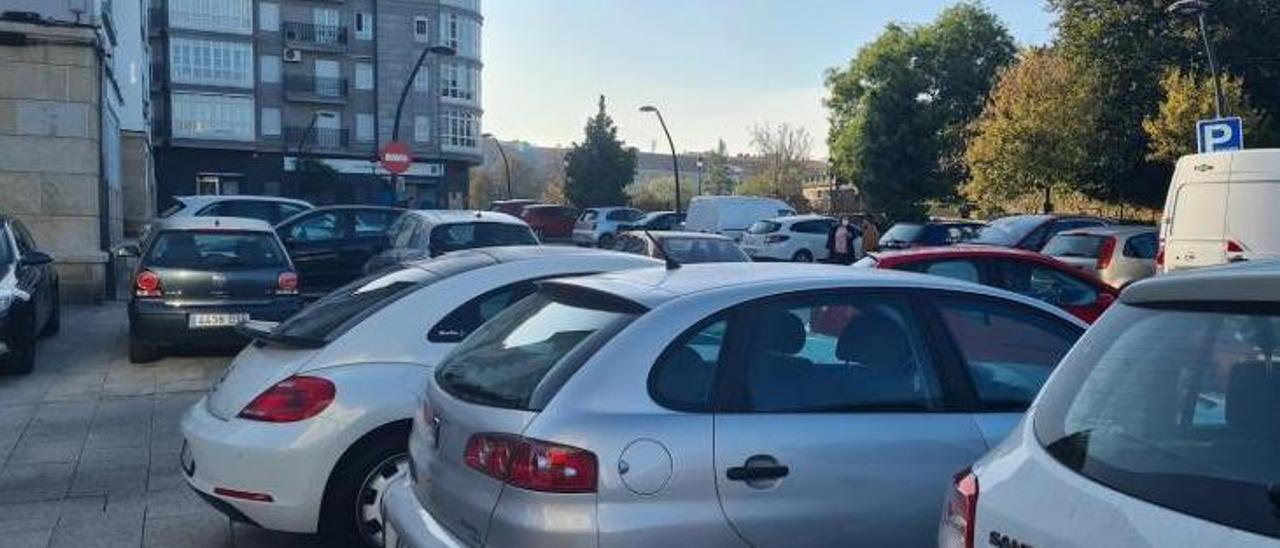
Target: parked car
1221, 209
198, 277
799, 238
720, 405
1120, 255
598, 226
928, 234
29, 299
550, 221
271, 209
657, 220
732, 215
349, 367
511, 207
681, 247
330, 245
422, 234
1031, 232
1158, 430
1032, 274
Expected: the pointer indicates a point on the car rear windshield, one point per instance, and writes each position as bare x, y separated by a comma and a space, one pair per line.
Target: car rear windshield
335, 313
1008, 231
518, 359
216, 250
1074, 245
1176, 405
702, 250
171, 210
764, 227
902, 233
6, 253
459, 236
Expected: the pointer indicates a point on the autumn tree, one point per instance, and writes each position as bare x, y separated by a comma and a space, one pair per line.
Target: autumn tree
601, 167
719, 180
1187, 98
785, 151
659, 194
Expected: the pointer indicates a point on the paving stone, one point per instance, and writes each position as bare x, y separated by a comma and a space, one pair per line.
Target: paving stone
35, 482
180, 501
114, 457
114, 481
128, 435
26, 539
199, 531
43, 516
38, 451
110, 529
248, 536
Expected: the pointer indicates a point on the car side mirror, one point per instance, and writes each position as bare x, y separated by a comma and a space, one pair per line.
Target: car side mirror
128, 251
36, 258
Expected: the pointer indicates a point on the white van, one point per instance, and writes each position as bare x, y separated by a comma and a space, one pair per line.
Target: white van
732, 215
1222, 208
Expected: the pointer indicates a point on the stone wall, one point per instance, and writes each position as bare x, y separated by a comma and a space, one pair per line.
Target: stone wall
138, 181
50, 149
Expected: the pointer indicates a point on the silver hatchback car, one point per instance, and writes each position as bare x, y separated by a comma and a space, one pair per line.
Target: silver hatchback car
720, 405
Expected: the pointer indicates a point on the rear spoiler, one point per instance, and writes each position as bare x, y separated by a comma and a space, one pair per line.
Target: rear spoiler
263, 331
587, 297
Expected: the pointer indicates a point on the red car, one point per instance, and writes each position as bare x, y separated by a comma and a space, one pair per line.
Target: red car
550, 220
1032, 274
511, 207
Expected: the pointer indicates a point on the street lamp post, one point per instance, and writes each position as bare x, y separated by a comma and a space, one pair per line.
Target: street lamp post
505, 163
675, 161
699, 176
445, 51
1199, 9
307, 134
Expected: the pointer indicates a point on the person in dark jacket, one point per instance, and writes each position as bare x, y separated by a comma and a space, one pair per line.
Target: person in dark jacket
840, 242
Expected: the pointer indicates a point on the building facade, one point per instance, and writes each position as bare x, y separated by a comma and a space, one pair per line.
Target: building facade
295, 97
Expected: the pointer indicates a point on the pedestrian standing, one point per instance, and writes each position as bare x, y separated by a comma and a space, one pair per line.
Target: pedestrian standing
870, 236
840, 242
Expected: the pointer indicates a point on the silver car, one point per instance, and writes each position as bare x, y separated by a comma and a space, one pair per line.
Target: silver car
1120, 255
720, 405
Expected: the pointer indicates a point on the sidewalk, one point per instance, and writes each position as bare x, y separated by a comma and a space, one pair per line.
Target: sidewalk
89, 447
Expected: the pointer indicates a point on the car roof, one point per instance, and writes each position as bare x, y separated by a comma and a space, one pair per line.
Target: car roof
1111, 230
961, 250
1254, 281
651, 287
449, 216
799, 218
322, 209
215, 223
604, 209
203, 200
515, 253
684, 234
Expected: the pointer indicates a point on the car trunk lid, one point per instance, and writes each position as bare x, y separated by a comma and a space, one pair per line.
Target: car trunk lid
258, 367
190, 286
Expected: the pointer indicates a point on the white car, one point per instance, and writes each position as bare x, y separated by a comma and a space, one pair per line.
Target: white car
311, 420
598, 226
732, 215
1221, 208
799, 238
1157, 429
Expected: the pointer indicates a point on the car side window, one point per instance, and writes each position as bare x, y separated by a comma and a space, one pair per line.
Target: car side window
1142, 246
684, 375
1008, 350
26, 243
286, 210
957, 270
1036, 239
470, 316
408, 228
371, 223
1046, 284
841, 352
317, 228
630, 244
263, 211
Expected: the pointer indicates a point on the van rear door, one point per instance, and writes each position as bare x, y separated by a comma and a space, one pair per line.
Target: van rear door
1195, 215
1252, 221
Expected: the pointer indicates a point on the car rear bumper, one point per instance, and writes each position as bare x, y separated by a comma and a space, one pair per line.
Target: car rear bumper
289, 462
408, 524
167, 325
584, 237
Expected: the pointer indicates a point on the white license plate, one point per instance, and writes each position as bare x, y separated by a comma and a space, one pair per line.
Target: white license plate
207, 321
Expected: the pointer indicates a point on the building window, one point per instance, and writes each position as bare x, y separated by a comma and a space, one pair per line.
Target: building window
269, 69
233, 16
421, 128
364, 128
211, 62
269, 16
422, 81
461, 82
421, 29
271, 122
461, 33
364, 26
459, 129
214, 117
328, 25
364, 76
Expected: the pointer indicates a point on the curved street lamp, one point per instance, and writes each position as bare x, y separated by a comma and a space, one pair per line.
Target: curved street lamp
1198, 9
675, 162
505, 164
444, 51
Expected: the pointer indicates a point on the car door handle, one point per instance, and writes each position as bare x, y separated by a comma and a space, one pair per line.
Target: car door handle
757, 472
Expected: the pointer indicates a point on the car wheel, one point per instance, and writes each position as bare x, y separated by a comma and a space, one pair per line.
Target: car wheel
605, 241
142, 353
54, 323
803, 256
352, 513
22, 350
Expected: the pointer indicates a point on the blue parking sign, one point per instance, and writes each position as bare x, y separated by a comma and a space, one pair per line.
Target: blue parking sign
1221, 135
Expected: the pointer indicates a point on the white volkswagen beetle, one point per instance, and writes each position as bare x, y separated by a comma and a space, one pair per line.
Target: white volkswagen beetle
310, 421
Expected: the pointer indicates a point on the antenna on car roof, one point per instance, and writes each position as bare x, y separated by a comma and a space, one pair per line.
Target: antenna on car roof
672, 264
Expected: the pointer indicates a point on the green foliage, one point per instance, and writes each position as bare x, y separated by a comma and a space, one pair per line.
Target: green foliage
719, 181
601, 167
1171, 130
899, 110
660, 194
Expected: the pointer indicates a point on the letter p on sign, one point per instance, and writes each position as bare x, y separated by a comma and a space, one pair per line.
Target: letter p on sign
1222, 135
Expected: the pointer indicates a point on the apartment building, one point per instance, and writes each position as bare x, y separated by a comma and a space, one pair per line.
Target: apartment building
294, 98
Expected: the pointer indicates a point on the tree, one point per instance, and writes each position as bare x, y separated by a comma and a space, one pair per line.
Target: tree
1035, 134
489, 181
601, 167
899, 110
658, 194
719, 181
1171, 130
785, 150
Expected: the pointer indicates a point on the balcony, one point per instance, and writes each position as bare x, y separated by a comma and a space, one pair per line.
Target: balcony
316, 89
317, 139
315, 37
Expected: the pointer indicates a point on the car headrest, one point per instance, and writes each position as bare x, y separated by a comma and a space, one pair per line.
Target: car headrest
1253, 399
875, 340
782, 333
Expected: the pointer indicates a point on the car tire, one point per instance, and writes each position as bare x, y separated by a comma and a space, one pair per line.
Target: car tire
350, 515
54, 324
142, 353
21, 359
802, 256
605, 241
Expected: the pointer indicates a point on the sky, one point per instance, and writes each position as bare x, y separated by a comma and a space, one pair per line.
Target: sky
714, 67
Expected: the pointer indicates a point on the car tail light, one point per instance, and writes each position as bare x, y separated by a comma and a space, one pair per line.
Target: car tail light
1105, 252
147, 284
243, 495
776, 238
1160, 255
291, 400
1234, 247
957, 527
287, 284
533, 464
